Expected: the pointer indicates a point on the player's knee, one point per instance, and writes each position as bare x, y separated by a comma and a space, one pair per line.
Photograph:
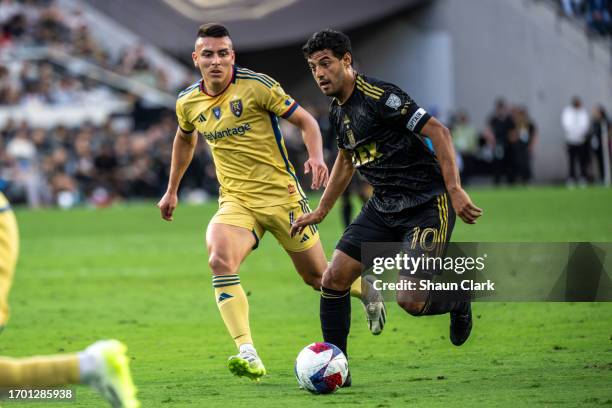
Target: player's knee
220, 265
333, 278
313, 281
413, 308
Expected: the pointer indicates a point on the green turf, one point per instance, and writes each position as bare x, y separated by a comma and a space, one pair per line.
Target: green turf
123, 273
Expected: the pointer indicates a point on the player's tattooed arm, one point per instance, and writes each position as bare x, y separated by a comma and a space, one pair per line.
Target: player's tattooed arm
341, 176
314, 145
443, 145
182, 152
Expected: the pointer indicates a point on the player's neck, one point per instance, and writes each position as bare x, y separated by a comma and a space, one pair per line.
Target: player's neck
215, 88
347, 88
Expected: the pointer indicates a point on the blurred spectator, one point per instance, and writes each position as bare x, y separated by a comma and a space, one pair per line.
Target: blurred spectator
598, 15
466, 141
575, 122
573, 8
600, 142
523, 140
501, 124
21, 155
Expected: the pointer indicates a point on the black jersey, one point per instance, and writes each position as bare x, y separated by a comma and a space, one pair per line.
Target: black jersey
379, 126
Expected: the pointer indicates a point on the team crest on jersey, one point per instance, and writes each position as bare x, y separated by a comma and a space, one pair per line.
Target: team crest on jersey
236, 107
348, 131
393, 101
217, 112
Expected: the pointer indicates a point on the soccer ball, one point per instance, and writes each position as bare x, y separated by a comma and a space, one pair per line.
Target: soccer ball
321, 368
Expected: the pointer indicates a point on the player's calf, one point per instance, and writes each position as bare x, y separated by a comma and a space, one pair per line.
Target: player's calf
412, 308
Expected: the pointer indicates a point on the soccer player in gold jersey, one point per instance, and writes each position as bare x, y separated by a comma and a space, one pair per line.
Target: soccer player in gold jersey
236, 110
103, 365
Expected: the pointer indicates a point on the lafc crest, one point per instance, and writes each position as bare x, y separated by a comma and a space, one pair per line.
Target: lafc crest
236, 107
348, 131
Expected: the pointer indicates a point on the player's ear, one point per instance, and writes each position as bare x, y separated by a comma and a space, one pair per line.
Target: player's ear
347, 60
194, 57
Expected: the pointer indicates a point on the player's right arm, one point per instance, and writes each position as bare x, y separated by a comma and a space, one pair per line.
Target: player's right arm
341, 176
182, 152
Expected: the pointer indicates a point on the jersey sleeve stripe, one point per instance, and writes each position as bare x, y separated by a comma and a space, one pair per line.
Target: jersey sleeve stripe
371, 87
5, 208
290, 111
189, 89
279, 138
367, 92
257, 74
243, 76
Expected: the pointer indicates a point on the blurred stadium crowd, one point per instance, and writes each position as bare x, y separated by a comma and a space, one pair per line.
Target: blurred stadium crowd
597, 14
128, 154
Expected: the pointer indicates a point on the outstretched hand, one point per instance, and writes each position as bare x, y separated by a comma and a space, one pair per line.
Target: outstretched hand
305, 220
464, 207
320, 173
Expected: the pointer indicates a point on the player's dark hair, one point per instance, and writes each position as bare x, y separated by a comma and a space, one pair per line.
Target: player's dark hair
213, 30
335, 41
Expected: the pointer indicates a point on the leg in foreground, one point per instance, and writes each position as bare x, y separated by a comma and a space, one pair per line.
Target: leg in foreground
103, 365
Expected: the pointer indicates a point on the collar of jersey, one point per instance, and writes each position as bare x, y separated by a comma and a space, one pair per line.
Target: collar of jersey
233, 80
351, 95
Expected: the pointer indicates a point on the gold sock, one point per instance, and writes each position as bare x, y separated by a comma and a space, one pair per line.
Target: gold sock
234, 307
356, 288
41, 371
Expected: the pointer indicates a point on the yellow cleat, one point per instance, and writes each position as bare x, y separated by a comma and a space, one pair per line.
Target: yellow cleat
112, 378
247, 364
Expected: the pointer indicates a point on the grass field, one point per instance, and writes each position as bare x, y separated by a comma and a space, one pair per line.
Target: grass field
123, 273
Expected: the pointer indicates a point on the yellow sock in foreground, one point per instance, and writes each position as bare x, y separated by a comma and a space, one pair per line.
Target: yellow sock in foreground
9, 247
43, 371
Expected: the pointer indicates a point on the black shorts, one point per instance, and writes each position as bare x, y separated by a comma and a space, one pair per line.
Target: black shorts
430, 222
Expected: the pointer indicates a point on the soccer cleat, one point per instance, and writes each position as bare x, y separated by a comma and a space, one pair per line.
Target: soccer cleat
247, 364
348, 382
374, 307
461, 324
112, 378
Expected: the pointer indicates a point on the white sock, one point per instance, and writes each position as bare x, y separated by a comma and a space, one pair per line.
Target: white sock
247, 347
87, 366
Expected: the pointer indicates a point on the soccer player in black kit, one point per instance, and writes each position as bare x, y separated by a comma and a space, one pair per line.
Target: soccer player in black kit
380, 131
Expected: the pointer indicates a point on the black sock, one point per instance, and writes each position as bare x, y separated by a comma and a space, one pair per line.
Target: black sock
335, 313
347, 212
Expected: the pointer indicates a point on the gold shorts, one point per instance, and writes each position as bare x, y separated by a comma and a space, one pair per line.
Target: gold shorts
9, 247
276, 219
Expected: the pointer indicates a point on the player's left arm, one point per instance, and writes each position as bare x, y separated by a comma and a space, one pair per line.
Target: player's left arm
314, 144
442, 141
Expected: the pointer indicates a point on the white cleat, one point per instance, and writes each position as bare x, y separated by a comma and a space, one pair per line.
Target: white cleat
111, 376
374, 306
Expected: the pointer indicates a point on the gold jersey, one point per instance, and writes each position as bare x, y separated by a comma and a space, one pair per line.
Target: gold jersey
241, 126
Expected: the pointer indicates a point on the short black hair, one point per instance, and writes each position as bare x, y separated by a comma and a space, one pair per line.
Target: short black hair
215, 30
335, 41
